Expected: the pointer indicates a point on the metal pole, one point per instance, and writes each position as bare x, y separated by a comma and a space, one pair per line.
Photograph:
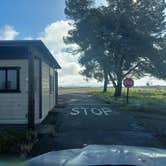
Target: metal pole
127, 95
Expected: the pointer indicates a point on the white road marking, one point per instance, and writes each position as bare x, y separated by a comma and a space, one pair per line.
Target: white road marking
75, 112
96, 111
106, 111
87, 111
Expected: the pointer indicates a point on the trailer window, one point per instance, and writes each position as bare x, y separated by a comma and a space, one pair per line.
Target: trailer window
9, 79
12, 80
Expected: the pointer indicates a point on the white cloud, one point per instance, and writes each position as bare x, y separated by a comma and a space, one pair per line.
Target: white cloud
28, 38
101, 3
8, 33
69, 75
53, 36
151, 80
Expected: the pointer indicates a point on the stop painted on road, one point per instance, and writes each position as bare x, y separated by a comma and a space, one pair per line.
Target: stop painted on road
93, 111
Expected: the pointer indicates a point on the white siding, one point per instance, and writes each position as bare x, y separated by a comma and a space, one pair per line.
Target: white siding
51, 97
14, 106
47, 98
45, 90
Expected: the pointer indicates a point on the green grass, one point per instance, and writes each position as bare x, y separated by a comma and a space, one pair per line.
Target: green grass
143, 99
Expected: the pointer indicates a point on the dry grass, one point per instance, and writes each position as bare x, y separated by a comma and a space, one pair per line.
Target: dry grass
148, 99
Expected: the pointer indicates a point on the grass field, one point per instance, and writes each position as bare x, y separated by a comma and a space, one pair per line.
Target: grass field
144, 99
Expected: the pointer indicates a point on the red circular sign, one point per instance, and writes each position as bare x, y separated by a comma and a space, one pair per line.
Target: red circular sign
128, 82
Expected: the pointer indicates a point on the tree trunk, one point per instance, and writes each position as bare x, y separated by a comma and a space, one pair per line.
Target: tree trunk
105, 82
118, 88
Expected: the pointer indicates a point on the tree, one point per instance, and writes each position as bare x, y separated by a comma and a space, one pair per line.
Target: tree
94, 66
92, 69
124, 39
136, 28
76, 9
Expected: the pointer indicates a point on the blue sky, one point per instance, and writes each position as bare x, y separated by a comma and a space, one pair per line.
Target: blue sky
45, 20
30, 17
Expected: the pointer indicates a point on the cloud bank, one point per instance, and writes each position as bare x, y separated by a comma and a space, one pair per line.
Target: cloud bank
69, 75
53, 36
8, 33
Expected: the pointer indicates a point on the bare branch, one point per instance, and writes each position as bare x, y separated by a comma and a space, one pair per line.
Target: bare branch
133, 68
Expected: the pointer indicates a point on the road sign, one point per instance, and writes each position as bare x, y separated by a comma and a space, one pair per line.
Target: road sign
128, 82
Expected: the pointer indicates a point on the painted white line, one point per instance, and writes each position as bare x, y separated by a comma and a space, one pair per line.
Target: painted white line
106, 111
96, 111
85, 111
75, 112
93, 111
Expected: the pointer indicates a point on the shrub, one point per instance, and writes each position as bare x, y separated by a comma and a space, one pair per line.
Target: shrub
17, 142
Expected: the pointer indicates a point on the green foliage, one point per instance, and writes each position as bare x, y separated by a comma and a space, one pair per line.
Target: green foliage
77, 8
125, 38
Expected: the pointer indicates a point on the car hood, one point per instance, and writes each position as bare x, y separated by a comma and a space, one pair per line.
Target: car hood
102, 155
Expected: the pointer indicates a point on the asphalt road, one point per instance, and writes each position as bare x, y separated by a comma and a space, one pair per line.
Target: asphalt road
85, 120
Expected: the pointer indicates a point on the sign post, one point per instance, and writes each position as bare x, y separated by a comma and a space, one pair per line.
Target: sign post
128, 83
127, 95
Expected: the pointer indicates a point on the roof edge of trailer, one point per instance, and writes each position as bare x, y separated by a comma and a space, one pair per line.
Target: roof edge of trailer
37, 44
